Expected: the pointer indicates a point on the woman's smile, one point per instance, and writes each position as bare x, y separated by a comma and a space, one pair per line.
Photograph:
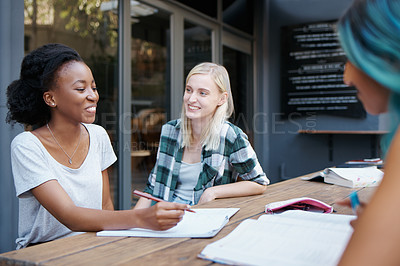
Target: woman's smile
91, 109
193, 108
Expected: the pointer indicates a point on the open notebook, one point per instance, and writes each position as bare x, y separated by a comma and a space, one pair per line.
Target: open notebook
290, 238
202, 224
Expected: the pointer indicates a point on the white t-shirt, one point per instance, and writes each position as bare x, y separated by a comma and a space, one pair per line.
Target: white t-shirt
32, 165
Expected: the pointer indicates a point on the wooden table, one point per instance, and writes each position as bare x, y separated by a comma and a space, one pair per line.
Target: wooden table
88, 249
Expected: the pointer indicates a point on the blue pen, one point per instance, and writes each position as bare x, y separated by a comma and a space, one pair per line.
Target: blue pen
354, 201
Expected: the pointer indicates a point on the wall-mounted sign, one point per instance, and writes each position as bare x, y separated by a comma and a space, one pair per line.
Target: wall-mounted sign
312, 66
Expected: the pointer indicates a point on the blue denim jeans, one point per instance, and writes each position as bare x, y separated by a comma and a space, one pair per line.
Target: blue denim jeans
178, 199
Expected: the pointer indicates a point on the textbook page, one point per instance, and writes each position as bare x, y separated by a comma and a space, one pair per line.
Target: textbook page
291, 238
204, 223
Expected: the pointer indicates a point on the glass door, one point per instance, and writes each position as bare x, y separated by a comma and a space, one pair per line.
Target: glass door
197, 46
167, 43
238, 63
150, 75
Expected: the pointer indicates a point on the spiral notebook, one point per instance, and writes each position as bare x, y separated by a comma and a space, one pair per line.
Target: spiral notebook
204, 223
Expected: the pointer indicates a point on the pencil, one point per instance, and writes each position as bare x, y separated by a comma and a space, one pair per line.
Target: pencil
148, 196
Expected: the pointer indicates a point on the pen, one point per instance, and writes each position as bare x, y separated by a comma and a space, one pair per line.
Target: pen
354, 201
148, 196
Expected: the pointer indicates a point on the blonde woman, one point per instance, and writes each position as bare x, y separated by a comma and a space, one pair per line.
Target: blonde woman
202, 156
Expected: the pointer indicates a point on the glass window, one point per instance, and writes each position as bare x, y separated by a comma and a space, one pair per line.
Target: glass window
208, 7
239, 14
239, 67
197, 46
90, 27
150, 89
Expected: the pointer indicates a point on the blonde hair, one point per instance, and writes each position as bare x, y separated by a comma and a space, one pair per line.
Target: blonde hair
210, 136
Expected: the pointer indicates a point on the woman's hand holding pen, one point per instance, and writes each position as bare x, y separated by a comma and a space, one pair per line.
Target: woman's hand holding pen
359, 209
161, 216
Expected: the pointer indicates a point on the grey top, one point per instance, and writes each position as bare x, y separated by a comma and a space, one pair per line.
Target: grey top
32, 165
187, 180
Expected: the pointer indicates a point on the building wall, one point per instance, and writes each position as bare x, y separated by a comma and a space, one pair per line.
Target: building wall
11, 53
290, 154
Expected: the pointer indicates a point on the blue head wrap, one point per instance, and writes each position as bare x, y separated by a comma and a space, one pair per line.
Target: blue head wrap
369, 33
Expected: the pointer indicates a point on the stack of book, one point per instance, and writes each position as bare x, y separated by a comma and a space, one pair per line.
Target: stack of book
378, 162
349, 177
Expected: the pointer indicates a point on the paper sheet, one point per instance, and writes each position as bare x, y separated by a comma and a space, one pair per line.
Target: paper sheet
203, 223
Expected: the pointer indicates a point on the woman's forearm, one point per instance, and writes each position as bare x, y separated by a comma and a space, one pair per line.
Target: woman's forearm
237, 189
53, 197
376, 237
86, 219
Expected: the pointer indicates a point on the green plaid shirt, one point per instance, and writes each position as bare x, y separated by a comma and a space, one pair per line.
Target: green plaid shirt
234, 158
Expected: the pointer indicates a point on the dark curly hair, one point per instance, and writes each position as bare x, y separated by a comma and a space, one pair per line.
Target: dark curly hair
38, 74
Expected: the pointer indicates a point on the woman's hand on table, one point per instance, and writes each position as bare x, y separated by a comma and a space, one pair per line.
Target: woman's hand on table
208, 195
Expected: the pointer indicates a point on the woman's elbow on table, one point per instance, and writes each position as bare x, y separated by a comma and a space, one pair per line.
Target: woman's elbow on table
259, 189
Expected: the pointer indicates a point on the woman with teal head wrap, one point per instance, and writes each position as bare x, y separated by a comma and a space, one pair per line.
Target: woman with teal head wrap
369, 33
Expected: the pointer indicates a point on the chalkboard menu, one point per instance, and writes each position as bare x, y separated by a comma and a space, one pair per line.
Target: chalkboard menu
312, 65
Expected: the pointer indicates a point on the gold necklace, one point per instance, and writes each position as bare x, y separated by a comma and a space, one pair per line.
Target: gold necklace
79, 141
